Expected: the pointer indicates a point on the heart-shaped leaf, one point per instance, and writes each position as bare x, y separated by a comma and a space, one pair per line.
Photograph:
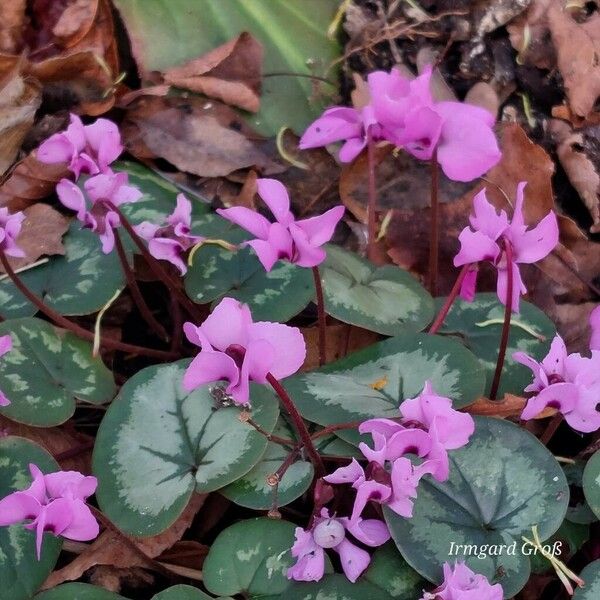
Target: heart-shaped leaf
79, 283
46, 371
158, 443
591, 576
479, 325
389, 571
591, 483
250, 558
501, 484
21, 574
166, 33
274, 296
579, 511
78, 591
372, 382
336, 587
385, 299
253, 491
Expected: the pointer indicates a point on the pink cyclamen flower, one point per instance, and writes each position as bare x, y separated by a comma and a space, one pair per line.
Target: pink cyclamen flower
5, 347
403, 112
568, 382
460, 583
10, 228
86, 148
55, 503
595, 327
237, 350
296, 241
98, 216
331, 532
171, 241
486, 240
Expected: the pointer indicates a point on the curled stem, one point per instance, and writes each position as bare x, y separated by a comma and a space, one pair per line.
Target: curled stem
322, 316
441, 316
299, 425
506, 325
434, 226
73, 327
135, 291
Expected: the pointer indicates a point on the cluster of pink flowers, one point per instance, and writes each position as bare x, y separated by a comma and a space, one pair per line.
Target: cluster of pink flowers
486, 240
403, 112
568, 382
297, 241
237, 350
429, 428
54, 503
460, 583
5, 347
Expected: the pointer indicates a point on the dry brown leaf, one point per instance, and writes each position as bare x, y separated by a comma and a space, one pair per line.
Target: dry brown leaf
41, 234
578, 50
530, 36
119, 550
12, 22
75, 22
29, 182
231, 73
509, 406
202, 137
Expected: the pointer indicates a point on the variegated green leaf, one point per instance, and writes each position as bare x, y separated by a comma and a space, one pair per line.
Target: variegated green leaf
250, 558
591, 483
78, 591
158, 443
385, 299
79, 283
336, 587
47, 371
21, 574
372, 382
479, 325
389, 571
253, 491
275, 296
501, 484
182, 592
579, 510
591, 576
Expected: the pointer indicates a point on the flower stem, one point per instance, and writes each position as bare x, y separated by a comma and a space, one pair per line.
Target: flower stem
73, 327
299, 425
372, 200
135, 291
439, 320
506, 325
322, 317
434, 226
172, 284
551, 428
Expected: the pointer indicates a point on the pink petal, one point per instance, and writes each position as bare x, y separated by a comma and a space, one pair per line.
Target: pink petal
390, 96
474, 247
104, 138
347, 474
469, 284
354, 560
595, 327
337, 123
386, 427
537, 243
371, 532
17, 507
379, 452
260, 358
562, 396
169, 250
37, 489
146, 230
518, 287
4, 401
486, 218
6, 344
584, 417
421, 133
267, 255
306, 254
366, 491
320, 229
71, 197
413, 441
351, 149
228, 324
70, 483
287, 342
309, 567
56, 149
210, 367
275, 196
182, 213
82, 526
247, 219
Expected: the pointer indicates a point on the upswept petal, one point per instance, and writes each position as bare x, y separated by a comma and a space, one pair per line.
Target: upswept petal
276, 197
247, 219
17, 507
71, 197
562, 396
208, 367
228, 324
475, 246
319, 230
287, 342
336, 123
518, 286
486, 218
537, 243
354, 560
348, 474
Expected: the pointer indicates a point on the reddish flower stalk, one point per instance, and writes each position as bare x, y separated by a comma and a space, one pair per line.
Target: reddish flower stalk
135, 291
552, 428
372, 200
506, 325
434, 226
73, 327
299, 425
322, 316
439, 320
173, 285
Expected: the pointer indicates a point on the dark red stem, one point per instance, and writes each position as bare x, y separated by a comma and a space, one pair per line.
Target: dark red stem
552, 428
322, 317
299, 425
434, 225
506, 325
135, 291
441, 316
372, 200
73, 327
